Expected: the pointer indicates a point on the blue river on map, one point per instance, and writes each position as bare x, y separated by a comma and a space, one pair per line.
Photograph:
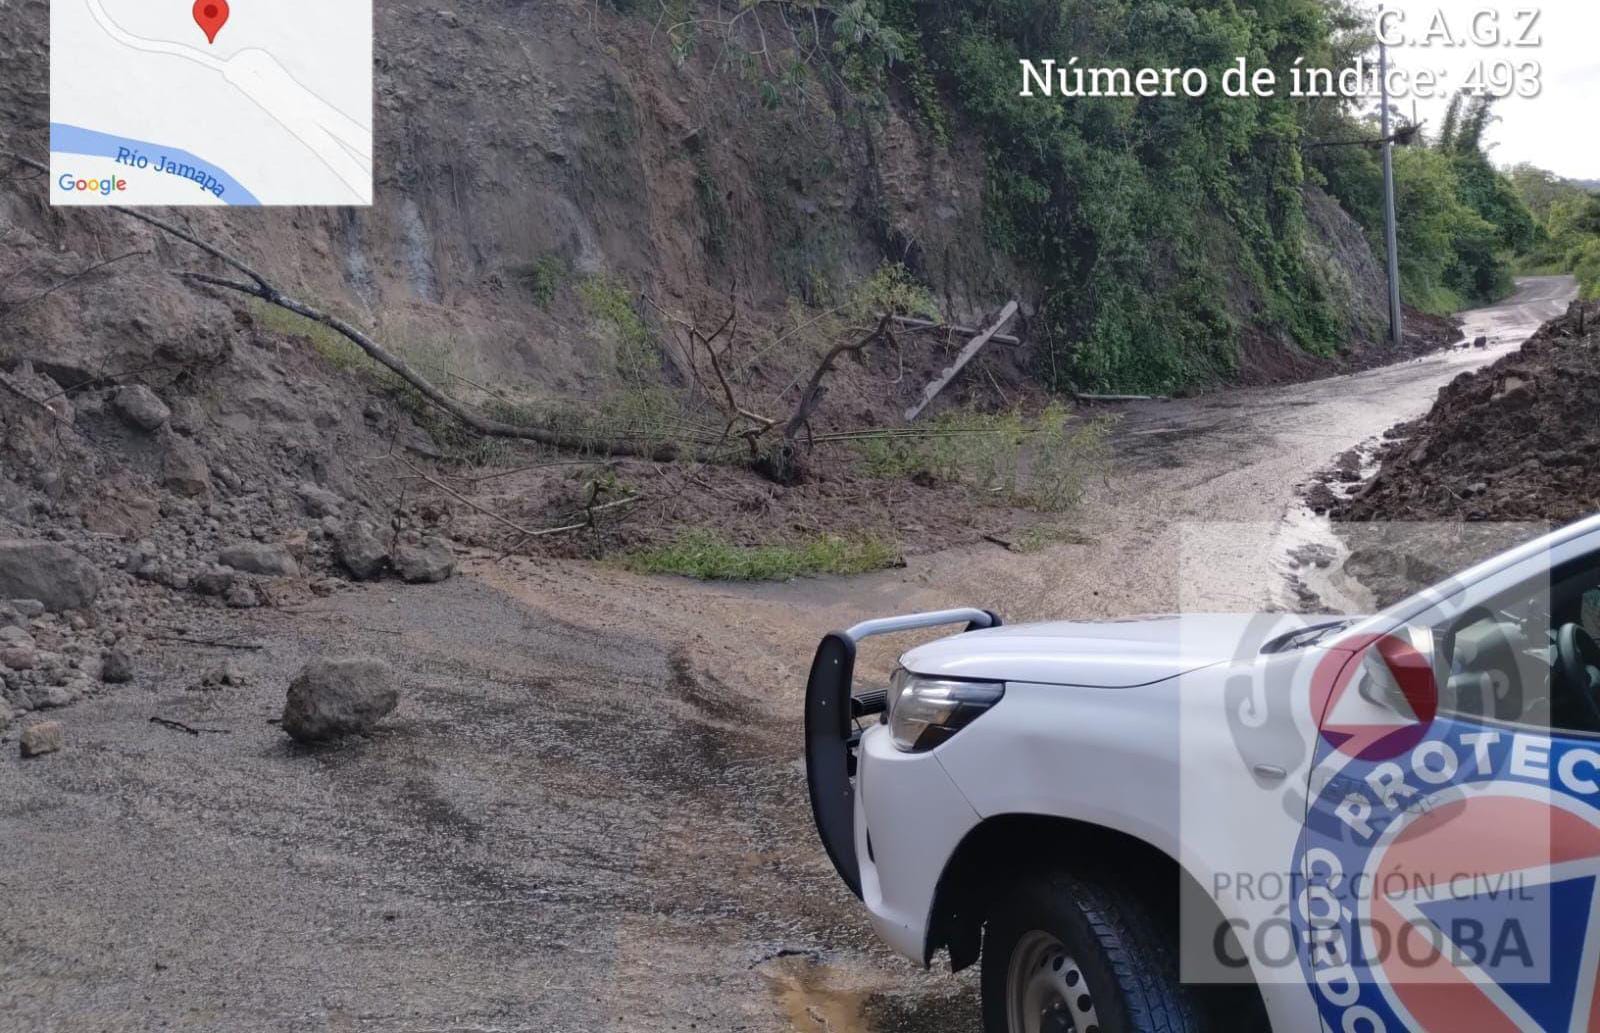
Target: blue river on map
65, 139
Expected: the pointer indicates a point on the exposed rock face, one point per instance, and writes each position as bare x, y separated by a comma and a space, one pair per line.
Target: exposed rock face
259, 558
139, 406
44, 737
52, 574
338, 696
425, 561
361, 551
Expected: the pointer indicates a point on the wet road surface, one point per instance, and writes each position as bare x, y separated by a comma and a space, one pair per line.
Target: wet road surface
588, 813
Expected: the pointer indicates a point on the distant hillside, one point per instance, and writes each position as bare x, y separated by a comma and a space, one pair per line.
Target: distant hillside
552, 178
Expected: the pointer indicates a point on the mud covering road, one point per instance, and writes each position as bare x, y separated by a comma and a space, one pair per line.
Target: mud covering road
588, 813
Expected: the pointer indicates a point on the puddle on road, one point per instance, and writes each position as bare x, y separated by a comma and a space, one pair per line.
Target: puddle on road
1310, 558
821, 997
812, 998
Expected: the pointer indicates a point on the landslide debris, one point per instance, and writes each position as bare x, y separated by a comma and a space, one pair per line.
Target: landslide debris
1516, 441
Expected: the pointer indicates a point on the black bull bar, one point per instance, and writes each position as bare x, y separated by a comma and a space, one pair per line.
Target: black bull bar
831, 736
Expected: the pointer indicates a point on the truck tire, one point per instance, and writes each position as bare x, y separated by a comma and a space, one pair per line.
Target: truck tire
1063, 953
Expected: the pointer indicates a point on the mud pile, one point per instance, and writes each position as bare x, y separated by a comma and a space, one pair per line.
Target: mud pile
1516, 441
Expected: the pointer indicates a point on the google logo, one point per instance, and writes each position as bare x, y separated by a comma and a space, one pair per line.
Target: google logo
103, 187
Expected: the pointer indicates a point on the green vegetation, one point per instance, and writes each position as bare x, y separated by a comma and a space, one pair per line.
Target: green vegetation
1159, 230
1459, 220
1567, 236
1122, 207
335, 348
1039, 463
891, 289
611, 304
708, 556
542, 277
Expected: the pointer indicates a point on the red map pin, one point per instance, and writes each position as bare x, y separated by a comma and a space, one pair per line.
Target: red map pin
211, 16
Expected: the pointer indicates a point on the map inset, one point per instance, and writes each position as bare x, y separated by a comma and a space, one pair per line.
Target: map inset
248, 102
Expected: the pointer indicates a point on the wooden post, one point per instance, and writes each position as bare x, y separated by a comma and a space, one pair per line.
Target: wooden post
975, 345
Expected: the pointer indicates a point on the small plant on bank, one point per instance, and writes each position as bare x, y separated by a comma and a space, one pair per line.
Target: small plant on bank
706, 555
542, 278
1040, 462
611, 304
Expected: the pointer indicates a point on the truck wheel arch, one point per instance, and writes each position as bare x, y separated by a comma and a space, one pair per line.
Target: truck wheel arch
1007, 847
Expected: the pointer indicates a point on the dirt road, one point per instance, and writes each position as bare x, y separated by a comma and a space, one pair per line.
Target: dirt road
588, 813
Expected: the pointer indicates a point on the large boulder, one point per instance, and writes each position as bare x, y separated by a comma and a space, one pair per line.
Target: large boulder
50, 573
139, 406
423, 561
361, 551
338, 696
259, 558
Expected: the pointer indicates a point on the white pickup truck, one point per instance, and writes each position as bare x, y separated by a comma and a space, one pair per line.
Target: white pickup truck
1234, 823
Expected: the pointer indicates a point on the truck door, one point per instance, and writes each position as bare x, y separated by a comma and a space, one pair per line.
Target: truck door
1451, 856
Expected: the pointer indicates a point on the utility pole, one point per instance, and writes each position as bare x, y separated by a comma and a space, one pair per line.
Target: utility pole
1388, 198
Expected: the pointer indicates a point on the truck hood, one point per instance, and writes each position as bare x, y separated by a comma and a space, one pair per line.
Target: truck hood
1105, 654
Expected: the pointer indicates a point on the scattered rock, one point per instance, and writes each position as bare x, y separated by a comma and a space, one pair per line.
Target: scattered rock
139, 406
215, 581
116, 667
242, 595
52, 574
51, 697
44, 737
184, 470
17, 658
339, 696
227, 674
5, 716
29, 608
260, 558
361, 551
426, 561
319, 501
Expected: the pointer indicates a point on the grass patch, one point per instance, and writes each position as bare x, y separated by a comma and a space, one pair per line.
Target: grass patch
339, 351
648, 417
709, 557
1039, 463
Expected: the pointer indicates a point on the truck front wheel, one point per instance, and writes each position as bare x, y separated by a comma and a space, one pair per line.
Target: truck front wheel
1063, 954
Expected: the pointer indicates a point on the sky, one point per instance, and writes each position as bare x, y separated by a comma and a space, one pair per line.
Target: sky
1555, 130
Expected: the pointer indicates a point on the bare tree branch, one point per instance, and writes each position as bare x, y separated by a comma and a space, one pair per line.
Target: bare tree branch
814, 390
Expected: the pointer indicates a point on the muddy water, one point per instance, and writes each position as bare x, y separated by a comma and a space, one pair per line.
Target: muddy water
1202, 503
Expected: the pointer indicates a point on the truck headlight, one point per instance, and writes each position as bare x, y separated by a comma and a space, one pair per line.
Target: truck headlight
924, 712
